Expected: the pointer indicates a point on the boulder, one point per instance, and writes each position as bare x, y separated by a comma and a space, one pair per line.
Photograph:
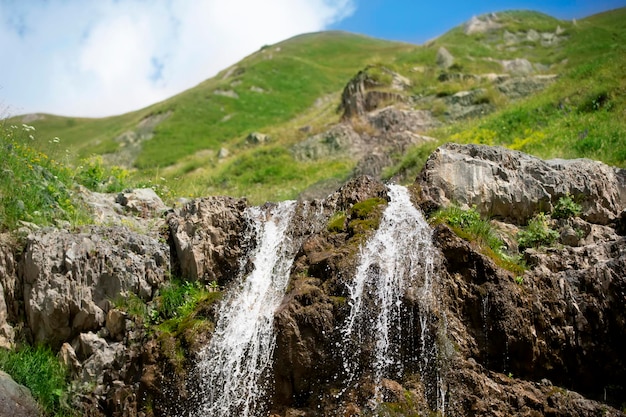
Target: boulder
71, 279
142, 201
15, 399
511, 185
444, 58
256, 138
207, 235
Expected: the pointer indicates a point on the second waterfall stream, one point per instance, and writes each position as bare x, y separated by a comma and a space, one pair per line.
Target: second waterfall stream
383, 336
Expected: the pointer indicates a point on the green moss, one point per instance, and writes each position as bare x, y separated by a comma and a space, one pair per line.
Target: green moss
364, 209
337, 222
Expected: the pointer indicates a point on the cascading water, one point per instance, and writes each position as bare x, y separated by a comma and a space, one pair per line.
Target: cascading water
234, 366
396, 264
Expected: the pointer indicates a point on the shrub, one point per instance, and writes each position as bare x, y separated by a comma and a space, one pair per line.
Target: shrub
537, 233
566, 207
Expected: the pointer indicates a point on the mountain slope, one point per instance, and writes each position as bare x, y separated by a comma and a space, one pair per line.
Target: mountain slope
520, 79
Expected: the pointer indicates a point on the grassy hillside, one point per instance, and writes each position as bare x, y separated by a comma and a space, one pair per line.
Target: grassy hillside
195, 143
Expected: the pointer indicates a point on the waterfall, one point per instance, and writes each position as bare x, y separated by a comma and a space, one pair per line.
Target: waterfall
235, 366
395, 265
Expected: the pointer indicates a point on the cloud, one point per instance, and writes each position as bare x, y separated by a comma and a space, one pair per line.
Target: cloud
104, 57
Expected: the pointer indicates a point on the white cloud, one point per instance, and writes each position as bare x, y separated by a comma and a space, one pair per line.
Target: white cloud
97, 58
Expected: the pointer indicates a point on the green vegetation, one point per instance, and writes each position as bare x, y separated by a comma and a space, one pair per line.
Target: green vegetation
33, 187
38, 369
566, 207
365, 215
337, 222
468, 225
537, 233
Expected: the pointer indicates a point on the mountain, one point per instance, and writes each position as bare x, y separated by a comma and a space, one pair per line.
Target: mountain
520, 79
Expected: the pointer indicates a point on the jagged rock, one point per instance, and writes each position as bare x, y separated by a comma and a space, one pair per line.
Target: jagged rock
141, 209
10, 293
67, 356
116, 323
208, 235
70, 279
15, 399
515, 186
363, 94
444, 58
142, 201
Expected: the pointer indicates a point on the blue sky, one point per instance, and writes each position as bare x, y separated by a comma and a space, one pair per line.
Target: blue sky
103, 57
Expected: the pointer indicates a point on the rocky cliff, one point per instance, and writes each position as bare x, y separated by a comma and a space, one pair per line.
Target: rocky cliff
545, 341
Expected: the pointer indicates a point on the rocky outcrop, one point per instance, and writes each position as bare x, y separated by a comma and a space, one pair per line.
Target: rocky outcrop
72, 279
10, 292
365, 93
514, 186
207, 236
547, 341
16, 400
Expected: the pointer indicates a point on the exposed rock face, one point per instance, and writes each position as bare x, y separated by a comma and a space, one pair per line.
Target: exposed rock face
16, 400
10, 293
207, 236
515, 186
70, 280
548, 342
364, 93
481, 24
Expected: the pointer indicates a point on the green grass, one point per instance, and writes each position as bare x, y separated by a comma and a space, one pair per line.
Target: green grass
38, 369
469, 225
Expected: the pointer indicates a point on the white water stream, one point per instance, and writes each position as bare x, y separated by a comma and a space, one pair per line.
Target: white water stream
397, 263
235, 366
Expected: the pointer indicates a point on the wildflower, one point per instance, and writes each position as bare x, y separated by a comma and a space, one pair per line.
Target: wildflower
27, 128
31, 137
56, 140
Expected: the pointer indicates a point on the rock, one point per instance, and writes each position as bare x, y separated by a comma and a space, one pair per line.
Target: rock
142, 201
518, 87
10, 293
223, 153
67, 356
140, 209
444, 58
116, 323
481, 24
511, 185
390, 119
70, 279
208, 236
256, 138
15, 399
364, 93
518, 66
339, 141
